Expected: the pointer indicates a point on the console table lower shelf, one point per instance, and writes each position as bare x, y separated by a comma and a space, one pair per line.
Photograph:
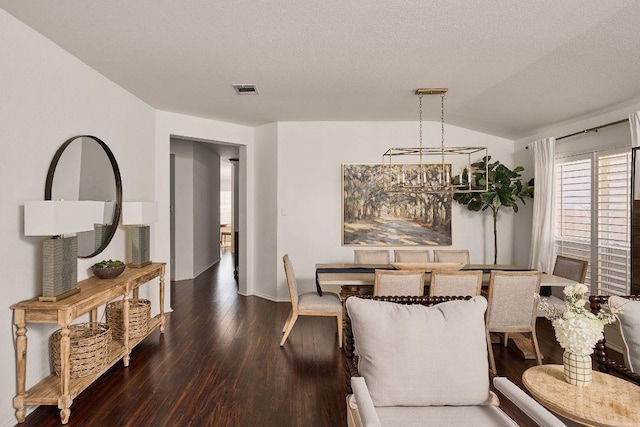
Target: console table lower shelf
94, 292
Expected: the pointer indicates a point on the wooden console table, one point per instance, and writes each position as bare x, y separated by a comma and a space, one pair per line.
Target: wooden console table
94, 292
607, 401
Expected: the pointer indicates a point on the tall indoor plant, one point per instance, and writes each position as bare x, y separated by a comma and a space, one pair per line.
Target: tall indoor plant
505, 189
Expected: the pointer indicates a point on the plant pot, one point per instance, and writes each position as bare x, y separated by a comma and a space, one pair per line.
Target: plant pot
108, 273
577, 368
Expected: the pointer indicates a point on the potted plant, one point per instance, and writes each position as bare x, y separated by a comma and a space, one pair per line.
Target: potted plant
108, 269
505, 189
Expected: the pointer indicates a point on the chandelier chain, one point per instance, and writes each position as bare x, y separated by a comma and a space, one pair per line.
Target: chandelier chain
442, 120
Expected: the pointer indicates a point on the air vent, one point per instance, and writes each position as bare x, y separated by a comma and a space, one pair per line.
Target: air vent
245, 89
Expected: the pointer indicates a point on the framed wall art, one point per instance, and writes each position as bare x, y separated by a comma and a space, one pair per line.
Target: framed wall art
376, 211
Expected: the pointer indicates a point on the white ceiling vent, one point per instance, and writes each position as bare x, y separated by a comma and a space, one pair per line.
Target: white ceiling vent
245, 89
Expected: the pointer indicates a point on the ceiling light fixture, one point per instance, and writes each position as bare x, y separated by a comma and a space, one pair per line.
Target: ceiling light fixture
438, 169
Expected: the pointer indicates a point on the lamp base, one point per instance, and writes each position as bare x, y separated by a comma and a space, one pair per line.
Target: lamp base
59, 266
59, 297
140, 246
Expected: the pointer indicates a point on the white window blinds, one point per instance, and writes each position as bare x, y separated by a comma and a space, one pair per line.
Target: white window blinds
593, 217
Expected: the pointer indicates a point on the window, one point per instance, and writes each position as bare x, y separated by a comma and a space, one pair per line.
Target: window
593, 217
225, 207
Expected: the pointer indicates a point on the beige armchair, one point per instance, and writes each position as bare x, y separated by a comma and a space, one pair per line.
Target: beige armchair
451, 255
468, 282
628, 325
309, 304
398, 282
411, 255
407, 366
513, 307
371, 256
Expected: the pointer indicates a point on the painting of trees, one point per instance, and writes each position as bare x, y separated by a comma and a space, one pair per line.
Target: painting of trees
377, 212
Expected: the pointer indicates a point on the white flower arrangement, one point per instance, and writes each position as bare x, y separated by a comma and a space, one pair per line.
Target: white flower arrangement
577, 329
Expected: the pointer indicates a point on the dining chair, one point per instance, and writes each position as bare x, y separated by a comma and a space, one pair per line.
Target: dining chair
513, 307
398, 283
571, 268
408, 255
367, 256
450, 283
449, 255
309, 304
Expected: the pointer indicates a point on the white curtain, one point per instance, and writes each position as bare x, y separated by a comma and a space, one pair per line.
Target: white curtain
634, 123
544, 201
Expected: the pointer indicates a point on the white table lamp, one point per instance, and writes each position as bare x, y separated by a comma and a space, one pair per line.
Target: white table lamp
60, 253
139, 214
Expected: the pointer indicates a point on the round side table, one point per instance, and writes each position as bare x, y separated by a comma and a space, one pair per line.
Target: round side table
607, 401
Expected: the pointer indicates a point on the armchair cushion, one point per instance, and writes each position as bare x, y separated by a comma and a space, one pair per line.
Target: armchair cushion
426, 367
629, 320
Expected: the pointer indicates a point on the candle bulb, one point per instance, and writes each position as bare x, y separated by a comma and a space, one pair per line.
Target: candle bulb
398, 178
424, 174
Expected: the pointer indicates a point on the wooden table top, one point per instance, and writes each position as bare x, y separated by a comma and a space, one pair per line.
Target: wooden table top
607, 401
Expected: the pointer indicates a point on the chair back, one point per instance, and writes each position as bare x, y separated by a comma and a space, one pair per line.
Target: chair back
446, 283
461, 255
291, 281
399, 282
512, 303
380, 256
404, 255
571, 268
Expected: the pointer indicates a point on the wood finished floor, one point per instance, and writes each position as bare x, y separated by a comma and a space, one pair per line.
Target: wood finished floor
219, 364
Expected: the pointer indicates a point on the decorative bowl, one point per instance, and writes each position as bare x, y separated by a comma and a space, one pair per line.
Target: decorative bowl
108, 269
428, 266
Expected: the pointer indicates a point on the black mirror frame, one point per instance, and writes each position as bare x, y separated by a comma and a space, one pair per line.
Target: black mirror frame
118, 182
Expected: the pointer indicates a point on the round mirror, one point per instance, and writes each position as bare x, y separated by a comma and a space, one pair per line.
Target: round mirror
84, 168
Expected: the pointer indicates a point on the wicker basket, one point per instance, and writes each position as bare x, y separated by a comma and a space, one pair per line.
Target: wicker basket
139, 314
89, 348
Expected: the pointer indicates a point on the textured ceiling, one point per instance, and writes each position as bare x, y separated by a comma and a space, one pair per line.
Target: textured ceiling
511, 67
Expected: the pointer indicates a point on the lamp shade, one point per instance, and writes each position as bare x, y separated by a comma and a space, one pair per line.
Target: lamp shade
56, 217
109, 210
137, 213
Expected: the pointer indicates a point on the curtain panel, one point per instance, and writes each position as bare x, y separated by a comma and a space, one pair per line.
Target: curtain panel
543, 226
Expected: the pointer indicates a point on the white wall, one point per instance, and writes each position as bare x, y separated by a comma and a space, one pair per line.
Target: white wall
49, 96
183, 209
206, 208
310, 155
266, 210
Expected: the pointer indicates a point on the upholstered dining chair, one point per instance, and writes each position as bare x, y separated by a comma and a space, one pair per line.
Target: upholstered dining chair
368, 256
409, 255
513, 307
571, 268
399, 282
448, 283
449, 255
309, 304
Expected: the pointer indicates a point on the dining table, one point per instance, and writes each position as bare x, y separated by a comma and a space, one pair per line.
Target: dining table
357, 279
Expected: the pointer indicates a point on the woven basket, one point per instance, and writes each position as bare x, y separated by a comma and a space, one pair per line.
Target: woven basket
139, 314
89, 348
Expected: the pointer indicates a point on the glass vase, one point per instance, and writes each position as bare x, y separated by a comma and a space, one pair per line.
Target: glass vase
577, 368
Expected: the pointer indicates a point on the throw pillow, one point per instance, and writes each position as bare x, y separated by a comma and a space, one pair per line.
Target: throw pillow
412, 355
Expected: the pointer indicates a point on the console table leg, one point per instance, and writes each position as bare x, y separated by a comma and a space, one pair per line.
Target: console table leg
21, 365
162, 302
125, 318
64, 403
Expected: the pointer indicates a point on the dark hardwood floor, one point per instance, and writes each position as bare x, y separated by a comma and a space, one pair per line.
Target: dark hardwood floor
219, 364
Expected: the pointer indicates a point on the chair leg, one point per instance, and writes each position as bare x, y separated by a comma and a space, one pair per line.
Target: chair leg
492, 362
288, 320
289, 328
339, 317
534, 340
506, 339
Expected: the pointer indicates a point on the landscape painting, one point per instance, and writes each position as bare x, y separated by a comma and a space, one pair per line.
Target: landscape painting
377, 211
